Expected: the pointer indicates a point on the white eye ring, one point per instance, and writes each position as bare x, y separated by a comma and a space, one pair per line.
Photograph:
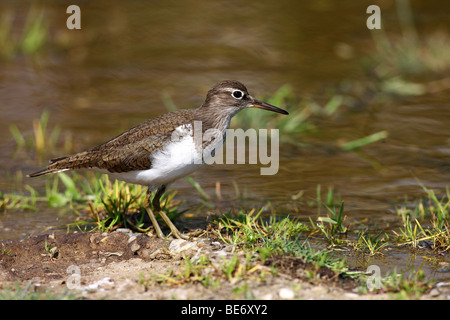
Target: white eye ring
237, 94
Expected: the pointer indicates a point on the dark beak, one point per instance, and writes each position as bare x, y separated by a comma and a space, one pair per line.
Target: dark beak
262, 105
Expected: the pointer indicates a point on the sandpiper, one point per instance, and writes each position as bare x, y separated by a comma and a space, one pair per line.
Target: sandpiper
163, 149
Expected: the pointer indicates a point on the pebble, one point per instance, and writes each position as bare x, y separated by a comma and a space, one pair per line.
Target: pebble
180, 245
101, 284
131, 239
221, 254
434, 292
216, 245
443, 284
135, 247
286, 293
154, 254
351, 295
442, 289
267, 296
124, 230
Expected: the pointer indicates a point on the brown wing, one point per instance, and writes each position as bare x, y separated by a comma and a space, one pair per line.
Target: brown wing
126, 152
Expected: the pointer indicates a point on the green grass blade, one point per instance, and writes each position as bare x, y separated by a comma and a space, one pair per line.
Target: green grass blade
356, 144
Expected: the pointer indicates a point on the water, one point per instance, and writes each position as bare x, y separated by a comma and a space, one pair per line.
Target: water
115, 72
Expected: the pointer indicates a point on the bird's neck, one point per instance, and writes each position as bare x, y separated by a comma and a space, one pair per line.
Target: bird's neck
212, 118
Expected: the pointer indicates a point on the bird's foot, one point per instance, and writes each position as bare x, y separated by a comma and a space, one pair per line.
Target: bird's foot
174, 231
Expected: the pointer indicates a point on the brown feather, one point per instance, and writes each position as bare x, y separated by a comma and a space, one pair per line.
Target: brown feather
127, 152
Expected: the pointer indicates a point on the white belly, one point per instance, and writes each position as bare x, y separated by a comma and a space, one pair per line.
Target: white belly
174, 161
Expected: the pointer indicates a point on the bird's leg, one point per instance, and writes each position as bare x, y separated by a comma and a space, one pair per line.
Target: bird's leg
157, 206
152, 216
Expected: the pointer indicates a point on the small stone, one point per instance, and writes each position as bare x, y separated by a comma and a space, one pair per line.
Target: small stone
135, 247
221, 253
434, 292
442, 284
158, 254
180, 245
154, 254
216, 245
286, 293
351, 295
131, 239
109, 254
124, 230
267, 296
145, 253
104, 283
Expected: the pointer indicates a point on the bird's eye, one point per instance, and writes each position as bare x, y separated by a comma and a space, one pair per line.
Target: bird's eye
237, 94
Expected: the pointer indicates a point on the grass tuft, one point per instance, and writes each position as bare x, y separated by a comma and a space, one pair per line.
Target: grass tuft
428, 220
